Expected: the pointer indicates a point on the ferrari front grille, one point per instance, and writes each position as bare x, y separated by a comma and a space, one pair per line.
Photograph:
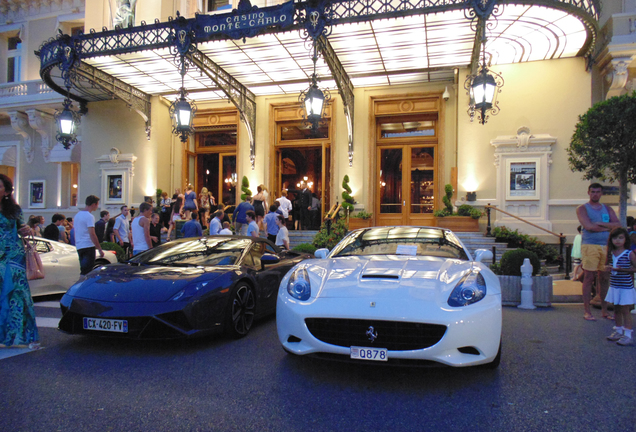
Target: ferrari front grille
392, 335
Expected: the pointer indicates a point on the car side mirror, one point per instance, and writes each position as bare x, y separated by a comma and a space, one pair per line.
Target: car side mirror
483, 254
268, 259
321, 253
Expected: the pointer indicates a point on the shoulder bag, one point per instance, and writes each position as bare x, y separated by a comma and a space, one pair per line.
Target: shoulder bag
34, 267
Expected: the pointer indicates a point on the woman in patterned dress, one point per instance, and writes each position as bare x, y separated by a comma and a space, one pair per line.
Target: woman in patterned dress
17, 317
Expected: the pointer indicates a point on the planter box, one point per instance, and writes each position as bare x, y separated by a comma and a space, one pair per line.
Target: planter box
511, 290
355, 223
458, 223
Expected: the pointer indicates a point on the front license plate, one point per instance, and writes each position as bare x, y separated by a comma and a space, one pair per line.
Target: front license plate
109, 325
364, 353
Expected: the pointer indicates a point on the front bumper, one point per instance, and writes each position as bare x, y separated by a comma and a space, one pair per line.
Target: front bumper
160, 320
472, 336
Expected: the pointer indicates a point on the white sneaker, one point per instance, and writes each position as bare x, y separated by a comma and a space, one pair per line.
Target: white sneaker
614, 336
625, 341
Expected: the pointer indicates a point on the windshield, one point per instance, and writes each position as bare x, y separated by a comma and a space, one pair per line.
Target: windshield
207, 251
408, 241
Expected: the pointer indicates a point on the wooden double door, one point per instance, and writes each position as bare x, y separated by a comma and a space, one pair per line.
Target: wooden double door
407, 180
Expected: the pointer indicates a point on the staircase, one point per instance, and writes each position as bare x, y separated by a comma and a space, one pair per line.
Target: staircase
298, 237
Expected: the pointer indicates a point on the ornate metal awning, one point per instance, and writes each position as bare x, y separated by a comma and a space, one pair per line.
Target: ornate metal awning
254, 51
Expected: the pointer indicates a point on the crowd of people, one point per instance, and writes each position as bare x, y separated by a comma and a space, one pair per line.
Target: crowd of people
185, 215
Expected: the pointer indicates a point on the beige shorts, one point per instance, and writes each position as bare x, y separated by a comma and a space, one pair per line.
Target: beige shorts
593, 257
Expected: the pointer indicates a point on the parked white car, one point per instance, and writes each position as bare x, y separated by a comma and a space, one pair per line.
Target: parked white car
403, 295
61, 266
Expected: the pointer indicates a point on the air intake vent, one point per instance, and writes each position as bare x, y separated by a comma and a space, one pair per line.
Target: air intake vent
379, 276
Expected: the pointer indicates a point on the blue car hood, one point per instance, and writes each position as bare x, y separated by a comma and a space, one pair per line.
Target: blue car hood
126, 283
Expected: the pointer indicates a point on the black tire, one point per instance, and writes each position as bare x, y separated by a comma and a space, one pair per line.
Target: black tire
495, 363
240, 316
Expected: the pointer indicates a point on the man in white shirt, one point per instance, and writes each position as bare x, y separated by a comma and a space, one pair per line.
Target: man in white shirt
121, 229
85, 237
285, 204
226, 229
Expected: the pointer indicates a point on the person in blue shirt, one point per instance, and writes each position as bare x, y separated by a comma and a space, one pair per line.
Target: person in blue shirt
192, 228
215, 223
252, 228
270, 223
238, 217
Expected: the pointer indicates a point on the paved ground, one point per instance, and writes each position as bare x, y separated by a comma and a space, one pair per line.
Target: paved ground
557, 374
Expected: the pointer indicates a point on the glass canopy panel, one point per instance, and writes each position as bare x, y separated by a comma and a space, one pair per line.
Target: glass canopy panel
411, 49
528, 33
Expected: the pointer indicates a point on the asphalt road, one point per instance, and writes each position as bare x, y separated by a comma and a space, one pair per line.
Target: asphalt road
557, 374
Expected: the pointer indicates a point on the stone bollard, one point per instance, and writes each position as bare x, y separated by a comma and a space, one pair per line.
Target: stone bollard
526, 286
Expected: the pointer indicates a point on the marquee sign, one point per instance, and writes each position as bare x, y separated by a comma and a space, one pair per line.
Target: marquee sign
246, 21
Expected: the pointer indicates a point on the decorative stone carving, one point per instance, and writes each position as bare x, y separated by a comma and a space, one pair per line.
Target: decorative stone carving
114, 155
42, 123
616, 75
20, 123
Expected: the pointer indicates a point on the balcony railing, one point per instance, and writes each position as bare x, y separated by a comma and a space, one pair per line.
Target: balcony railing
24, 88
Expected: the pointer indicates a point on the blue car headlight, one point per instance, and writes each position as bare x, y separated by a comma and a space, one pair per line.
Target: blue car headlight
189, 291
470, 289
299, 286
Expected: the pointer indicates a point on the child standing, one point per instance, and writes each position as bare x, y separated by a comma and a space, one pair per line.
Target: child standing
621, 292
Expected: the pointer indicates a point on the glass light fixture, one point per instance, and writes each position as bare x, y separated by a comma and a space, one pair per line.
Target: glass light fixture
313, 99
182, 113
67, 121
482, 89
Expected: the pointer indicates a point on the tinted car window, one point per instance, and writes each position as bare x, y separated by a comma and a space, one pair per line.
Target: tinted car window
195, 252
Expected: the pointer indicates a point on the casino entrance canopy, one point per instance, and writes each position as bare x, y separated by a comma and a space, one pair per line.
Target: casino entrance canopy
255, 51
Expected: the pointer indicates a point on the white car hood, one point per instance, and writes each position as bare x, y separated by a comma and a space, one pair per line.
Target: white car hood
385, 276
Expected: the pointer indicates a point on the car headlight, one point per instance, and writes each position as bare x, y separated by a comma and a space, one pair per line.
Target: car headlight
189, 291
470, 289
299, 286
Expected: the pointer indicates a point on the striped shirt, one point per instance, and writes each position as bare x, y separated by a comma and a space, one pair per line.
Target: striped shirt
621, 280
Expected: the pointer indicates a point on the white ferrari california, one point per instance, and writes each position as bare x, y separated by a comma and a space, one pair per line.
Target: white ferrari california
402, 295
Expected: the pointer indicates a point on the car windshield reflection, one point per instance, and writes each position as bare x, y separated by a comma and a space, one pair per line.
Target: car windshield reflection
407, 241
195, 252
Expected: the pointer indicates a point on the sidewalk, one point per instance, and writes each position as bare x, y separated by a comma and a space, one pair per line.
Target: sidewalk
567, 291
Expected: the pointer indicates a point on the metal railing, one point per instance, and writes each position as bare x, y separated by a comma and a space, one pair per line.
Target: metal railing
332, 215
561, 237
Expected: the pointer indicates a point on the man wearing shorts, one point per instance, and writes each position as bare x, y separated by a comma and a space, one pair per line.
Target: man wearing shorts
597, 221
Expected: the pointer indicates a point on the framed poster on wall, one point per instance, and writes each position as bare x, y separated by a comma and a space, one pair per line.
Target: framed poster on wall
523, 179
37, 190
115, 188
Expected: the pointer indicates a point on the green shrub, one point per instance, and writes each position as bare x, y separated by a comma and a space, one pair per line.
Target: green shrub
337, 232
514, 239
245, 187
512, 261
441, 213
448, 189
362, 215
468, 210
347, 199
119, 251
305, 248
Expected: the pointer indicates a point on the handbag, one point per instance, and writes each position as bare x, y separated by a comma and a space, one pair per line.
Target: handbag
34, 267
